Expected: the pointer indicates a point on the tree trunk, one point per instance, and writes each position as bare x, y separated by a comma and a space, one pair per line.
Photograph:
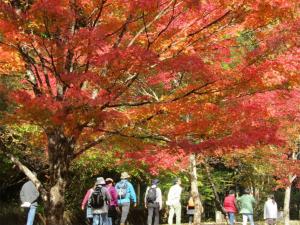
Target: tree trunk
138, 194
287, 199
194, 190
213, 186
287, 195
60, 150
286, 207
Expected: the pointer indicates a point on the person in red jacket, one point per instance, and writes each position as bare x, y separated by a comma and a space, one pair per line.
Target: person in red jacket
230, 206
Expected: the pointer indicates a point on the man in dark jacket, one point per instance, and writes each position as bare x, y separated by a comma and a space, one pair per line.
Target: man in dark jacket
29, 196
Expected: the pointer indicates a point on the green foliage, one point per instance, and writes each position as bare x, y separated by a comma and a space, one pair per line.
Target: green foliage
248, 40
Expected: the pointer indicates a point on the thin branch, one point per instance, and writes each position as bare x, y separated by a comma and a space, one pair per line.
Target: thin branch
193, 91
158, 16
134, 104
99, 13
172, 18
184, 29
146, 31
88, 146
123, 31
24, 169
212, 184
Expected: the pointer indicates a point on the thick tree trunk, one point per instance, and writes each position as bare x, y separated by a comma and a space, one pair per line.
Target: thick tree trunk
194, 190
56, 204
60, 150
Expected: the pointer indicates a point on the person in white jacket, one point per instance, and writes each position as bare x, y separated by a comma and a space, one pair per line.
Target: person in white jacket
270, 210
174, 202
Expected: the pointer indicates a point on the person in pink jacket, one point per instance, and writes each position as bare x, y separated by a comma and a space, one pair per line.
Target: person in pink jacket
89, 214
113, 206
230, 206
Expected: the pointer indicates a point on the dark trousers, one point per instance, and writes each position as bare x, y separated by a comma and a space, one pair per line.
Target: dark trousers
112, 215
153, 210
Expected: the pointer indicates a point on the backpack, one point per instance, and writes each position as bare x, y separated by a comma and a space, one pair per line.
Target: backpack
122, 189
97, 198
151, 195
191, 203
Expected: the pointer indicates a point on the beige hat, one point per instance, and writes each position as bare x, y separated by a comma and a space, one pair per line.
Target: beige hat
100, 181
109, 180
124, 175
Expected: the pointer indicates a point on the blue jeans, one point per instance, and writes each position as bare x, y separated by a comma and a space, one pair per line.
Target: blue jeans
231, 218
109, 221
247, 216
31, 215
100, 219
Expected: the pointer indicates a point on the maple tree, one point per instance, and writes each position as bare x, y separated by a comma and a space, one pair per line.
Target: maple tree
145, 73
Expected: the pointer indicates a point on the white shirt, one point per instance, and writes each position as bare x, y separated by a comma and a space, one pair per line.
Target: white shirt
270, 209
174, 195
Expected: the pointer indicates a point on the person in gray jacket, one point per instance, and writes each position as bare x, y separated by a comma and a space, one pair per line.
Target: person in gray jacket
99, 202
29, 196
153, 202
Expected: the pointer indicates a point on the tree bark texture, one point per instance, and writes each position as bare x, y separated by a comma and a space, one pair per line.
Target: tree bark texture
60, 150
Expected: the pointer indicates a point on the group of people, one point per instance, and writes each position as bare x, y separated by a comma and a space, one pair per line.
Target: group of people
107, 204
244, 205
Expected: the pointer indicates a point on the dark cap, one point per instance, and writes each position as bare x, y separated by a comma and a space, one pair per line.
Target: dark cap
155, 181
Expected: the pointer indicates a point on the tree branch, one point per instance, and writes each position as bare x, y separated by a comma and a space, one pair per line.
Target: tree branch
158, 16
88, 146
24, 169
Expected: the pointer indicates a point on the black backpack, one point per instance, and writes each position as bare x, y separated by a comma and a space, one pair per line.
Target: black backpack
97, 198
151, 195
122, 189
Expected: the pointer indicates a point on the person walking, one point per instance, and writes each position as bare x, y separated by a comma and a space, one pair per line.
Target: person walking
190, 209
99, 201
245, 203
270, 210
153, 202
173, 202
113, 206
89, 214
230, 206
29, 196
126, 194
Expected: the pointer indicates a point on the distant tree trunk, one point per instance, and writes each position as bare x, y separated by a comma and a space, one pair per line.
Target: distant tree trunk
138, 193
213, 186
286, 207
194, 190
287, 195
60, 148
287, 199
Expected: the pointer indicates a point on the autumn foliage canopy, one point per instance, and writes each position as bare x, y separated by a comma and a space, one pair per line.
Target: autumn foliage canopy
199, 75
